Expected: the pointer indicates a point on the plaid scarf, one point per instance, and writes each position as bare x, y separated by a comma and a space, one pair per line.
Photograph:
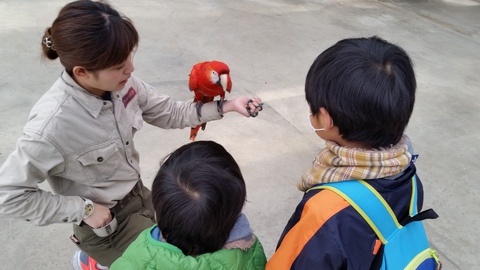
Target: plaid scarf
336, 163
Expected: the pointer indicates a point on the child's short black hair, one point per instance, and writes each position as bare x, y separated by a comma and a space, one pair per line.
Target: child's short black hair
367, 85
198, 194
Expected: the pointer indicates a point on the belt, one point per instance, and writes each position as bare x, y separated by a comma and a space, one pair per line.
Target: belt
130, 195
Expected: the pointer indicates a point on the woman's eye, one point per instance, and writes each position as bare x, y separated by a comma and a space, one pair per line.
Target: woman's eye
118, 67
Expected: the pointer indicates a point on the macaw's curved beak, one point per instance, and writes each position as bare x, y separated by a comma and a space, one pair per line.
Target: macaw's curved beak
223, 82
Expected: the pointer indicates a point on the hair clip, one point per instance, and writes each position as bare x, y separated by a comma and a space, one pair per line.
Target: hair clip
48, 43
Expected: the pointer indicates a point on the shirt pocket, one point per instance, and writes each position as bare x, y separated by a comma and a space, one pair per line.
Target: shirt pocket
100, 164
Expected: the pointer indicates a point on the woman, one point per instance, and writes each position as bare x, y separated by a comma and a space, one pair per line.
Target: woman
79, 135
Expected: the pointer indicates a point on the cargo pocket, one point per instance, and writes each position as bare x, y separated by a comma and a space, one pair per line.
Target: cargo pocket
100, 164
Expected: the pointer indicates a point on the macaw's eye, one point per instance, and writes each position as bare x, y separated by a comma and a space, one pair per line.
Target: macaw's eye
215, 78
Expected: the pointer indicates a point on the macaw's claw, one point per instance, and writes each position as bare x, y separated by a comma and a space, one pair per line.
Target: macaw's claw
252, 114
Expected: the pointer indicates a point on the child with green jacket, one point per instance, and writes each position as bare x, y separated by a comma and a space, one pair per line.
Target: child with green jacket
198, 196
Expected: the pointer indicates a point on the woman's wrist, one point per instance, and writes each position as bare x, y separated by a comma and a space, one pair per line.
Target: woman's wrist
220, 104
229, 106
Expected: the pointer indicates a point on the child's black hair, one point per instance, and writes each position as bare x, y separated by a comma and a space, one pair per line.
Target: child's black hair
198, 194
367, 85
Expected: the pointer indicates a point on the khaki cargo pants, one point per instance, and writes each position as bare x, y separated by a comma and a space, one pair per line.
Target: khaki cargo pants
133, 218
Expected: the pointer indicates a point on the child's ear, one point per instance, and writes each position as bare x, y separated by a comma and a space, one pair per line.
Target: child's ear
326, 119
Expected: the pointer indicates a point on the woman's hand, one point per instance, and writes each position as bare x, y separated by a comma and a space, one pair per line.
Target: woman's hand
240, 105
101, 216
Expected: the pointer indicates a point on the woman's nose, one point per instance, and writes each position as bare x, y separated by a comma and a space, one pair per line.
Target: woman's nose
129, 67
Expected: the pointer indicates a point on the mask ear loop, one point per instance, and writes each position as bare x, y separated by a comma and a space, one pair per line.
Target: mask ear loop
313, 128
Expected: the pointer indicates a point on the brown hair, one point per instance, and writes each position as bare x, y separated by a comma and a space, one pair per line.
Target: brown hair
89, 34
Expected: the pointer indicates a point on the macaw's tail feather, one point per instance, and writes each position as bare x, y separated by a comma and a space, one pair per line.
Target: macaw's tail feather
194, 132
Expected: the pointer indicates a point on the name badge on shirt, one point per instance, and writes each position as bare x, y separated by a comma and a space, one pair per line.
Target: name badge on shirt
129, 96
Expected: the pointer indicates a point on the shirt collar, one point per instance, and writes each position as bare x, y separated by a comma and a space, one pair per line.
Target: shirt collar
92, 103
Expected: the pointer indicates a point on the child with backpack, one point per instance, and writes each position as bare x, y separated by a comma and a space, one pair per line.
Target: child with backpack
362, 189
198, 196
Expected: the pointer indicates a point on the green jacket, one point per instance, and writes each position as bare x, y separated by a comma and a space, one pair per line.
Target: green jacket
146, 253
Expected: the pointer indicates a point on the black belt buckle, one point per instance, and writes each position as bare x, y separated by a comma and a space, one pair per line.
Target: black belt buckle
123, 202
135, 189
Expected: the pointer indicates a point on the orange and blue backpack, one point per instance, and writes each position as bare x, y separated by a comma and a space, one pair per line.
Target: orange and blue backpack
405, 246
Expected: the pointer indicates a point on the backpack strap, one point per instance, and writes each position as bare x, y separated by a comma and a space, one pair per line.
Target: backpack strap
414, 199
369, 204
414, 215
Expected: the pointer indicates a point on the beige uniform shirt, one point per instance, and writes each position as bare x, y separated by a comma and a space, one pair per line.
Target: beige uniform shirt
83, 146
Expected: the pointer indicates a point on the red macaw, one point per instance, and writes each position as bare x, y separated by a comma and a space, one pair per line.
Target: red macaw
208, 80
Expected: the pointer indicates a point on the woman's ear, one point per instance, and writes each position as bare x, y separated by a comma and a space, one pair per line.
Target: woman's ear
80, 72
325, 118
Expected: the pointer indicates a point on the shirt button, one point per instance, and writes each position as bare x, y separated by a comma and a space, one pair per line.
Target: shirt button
118, 96
104, 103
100, 159
65, 220
127, 143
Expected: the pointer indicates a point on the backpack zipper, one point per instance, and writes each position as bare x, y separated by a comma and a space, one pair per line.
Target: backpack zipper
422, 256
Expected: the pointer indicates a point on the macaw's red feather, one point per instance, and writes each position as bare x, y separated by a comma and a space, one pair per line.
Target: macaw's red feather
208, 80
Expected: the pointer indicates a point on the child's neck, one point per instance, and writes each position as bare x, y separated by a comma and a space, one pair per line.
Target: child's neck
349, 144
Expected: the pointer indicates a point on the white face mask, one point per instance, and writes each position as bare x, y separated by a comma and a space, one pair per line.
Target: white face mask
310, 122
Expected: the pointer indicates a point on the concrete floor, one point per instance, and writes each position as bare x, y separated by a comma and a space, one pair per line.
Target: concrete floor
269, 45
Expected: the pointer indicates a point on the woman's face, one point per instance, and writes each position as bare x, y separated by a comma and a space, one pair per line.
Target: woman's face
109, 79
